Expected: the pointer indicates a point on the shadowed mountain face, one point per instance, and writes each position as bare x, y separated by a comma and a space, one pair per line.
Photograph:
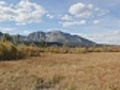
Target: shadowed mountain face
36, 36
54, 37
1, 34
60, 37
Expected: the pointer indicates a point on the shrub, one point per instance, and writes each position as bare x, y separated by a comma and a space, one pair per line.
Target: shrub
9, 51
29, 50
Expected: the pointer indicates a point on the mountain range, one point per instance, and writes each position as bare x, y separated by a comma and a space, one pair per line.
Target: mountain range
54, 37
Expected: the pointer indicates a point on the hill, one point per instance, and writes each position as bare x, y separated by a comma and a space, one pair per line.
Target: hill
58, 37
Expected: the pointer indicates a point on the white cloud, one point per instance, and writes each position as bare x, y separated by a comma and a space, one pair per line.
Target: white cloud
83, 22
50, 16
72, 23
7, 29
96, 22
118, 21
54, 29
102, 12
23, 12
97, 9
81, 10
90, 6
26, 32
112, 37
2, 3
67, 18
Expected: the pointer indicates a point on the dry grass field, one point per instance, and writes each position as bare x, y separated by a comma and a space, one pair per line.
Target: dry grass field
91, 71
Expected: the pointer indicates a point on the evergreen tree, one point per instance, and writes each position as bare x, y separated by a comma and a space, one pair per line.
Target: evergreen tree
42, 43
6, 37
17, 39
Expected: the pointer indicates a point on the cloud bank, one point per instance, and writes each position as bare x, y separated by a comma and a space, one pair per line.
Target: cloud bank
22, 13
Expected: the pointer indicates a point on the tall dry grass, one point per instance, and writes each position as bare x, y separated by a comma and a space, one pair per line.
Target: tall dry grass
80, 50
8, 51
91, 71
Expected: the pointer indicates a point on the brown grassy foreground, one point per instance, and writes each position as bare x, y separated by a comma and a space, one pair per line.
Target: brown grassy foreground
92, 71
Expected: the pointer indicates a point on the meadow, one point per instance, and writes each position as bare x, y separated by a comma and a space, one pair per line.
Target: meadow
31, 67
50, 71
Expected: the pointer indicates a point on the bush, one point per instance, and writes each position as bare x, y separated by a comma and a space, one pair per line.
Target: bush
9, 51
29, 50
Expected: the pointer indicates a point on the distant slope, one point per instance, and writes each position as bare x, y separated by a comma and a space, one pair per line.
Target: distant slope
59, 37
54, 37
36, 36
1, 34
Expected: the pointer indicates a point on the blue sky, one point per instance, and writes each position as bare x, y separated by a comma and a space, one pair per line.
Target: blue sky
97, 20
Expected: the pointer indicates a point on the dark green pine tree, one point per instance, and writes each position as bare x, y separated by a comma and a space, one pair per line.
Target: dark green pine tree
17, 39
6, 37
43, 43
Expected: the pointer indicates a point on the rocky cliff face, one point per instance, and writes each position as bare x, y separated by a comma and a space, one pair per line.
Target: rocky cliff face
60, 37
1, 34
54, 37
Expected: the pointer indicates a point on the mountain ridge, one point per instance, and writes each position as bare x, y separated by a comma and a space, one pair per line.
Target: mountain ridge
54, 36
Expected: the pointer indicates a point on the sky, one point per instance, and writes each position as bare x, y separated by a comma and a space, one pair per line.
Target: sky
97, 20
